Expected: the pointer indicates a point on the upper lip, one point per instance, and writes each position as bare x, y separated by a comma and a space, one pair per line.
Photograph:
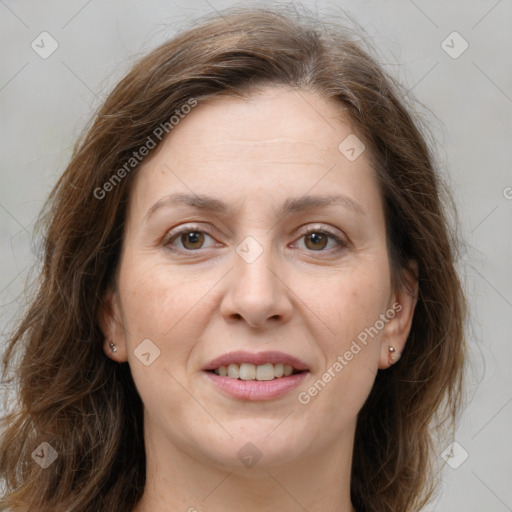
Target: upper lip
258, 358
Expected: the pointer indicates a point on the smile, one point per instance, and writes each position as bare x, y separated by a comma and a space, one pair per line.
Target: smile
261, 372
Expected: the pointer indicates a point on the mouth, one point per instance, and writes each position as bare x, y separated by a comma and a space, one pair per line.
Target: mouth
261, 372
260, 376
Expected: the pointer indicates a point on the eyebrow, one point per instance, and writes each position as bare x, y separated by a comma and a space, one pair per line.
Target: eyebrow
291, 205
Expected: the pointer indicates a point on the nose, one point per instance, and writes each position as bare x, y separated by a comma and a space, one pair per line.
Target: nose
257, 292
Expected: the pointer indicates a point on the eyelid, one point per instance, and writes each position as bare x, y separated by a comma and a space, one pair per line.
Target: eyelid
184, 229
341, 240
312, 227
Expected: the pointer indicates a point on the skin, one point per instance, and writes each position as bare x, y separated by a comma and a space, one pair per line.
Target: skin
204, 300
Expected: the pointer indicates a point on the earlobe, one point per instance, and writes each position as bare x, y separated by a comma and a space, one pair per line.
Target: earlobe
114, 342
393, 356
398, 328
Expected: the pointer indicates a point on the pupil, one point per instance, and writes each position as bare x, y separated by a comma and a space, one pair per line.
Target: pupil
192, 237
317, 239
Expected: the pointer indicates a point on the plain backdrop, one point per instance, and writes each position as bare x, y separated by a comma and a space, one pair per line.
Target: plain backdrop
466, 95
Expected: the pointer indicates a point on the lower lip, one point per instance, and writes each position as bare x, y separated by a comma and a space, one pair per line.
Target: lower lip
256, 389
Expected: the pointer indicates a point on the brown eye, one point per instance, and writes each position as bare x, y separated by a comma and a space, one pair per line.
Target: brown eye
318, 240
192, 240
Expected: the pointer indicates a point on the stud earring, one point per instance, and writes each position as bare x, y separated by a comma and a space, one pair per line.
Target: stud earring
113, 347
394, 356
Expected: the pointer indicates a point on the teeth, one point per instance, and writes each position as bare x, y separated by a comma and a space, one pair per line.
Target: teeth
265, 372
233, 371
247, 371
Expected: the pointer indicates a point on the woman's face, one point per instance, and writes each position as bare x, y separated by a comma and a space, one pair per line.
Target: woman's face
238, 272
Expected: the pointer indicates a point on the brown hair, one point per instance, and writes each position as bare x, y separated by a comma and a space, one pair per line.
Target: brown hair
86, 406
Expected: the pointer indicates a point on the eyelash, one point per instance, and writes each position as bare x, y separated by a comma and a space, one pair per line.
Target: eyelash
342, 244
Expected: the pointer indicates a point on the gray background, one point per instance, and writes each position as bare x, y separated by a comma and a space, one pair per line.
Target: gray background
45, 103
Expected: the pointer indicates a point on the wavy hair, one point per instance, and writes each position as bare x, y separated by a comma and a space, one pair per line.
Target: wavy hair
70, 395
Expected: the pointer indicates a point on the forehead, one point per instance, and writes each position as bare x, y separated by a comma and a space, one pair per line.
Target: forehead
268, 122
278, 142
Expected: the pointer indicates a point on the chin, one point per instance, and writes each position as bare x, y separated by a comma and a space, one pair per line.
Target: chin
252, 448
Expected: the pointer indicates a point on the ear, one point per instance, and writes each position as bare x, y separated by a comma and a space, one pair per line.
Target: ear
400, 313
110, 322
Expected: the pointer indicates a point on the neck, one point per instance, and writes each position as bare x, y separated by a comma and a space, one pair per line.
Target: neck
177, 480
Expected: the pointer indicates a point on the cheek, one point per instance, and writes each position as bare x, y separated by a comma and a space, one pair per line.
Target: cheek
351, 302
161, 305
156, 298
158, 305
352, 305
352, 354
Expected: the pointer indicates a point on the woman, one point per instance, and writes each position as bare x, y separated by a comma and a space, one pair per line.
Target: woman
248, 298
